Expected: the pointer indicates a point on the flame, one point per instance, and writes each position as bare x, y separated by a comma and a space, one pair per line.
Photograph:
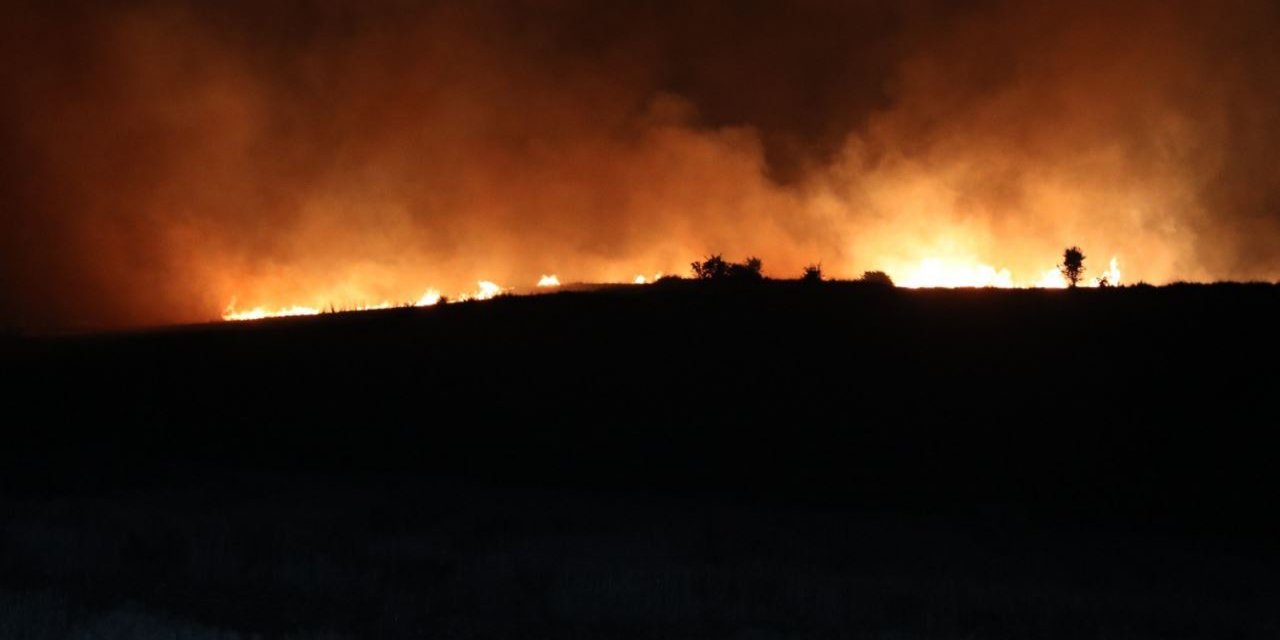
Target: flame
1051, 279
258, 313
1113, 273
937, 272
366, 307
929, 272
430, 298
485, 290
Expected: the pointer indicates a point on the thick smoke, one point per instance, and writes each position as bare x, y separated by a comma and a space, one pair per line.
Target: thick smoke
163, 159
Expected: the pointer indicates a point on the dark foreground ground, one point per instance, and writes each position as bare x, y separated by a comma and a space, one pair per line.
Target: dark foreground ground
667, 461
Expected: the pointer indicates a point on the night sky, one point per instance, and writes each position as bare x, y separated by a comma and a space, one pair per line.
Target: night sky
164, 159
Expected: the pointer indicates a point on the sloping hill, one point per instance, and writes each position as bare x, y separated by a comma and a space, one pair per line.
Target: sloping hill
1154, 400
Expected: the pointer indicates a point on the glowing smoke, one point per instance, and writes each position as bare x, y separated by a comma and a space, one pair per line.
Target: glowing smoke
162, 160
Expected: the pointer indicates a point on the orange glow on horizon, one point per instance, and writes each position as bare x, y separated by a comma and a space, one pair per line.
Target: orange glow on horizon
936, 272
485, 290
941, 273
502, 153
258, 313
928, 273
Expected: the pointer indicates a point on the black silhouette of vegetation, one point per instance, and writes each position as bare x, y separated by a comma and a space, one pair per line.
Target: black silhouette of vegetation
749, 269
1072, 266
879, 278
586, 465
713, 268
716, 268
812, 273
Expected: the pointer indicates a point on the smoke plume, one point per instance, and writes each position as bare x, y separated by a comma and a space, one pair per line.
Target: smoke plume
163, 159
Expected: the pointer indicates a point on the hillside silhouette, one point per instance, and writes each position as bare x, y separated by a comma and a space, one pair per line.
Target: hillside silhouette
1148, 410
1155, 398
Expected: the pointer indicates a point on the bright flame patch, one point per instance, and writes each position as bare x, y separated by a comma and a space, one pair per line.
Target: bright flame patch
485, 290
930, 272
258, 313
936, 272
430, 298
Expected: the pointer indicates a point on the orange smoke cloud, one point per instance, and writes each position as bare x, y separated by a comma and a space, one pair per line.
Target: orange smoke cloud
164, 161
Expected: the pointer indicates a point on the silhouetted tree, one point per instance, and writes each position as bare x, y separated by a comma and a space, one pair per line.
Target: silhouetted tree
812, 273
1072, 266
713, 268
749, 270
877, 277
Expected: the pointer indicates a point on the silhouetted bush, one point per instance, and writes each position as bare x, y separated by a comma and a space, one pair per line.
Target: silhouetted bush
749, 270
878, 278
812, 273
715, 268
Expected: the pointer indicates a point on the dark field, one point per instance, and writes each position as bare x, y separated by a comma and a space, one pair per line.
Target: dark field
667, 461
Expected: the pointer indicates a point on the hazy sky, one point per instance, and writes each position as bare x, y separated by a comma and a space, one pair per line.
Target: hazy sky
161, 159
